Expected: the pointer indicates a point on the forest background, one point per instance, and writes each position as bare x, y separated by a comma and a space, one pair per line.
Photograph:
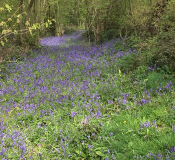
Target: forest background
146, 24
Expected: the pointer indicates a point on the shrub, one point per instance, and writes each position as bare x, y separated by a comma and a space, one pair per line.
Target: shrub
164, 55
69, 30
128, 62
106, 36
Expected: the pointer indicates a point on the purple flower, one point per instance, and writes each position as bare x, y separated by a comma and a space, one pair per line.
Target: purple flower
73, 113
101, 124
159, 155
113, 156
172, 149
151, 154
124, 101
2, 152
63, 148
150, 68
89, 146
142, 101
147, 124
111, 133
110, 102
88, 137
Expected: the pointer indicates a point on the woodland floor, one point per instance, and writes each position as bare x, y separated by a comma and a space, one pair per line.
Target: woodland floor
72, 100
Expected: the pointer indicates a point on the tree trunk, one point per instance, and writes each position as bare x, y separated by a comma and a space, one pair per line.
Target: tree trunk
130, 5
29, 10
58, 24
26, 48
20, 24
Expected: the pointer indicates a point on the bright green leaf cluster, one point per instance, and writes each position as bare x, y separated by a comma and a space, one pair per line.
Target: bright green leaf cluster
7, 30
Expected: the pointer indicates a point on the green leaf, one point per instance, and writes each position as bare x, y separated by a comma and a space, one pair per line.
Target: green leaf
99, 153
15, 31
34, 26
147, 131
144, 119
9, 19
100, 148
30, 30
18, 21
46, 25
80, 153
119, 72
7, 6
54, 20
1, 9
131, 104
130, 144
4, 31
2, 43
17, 108
18, 15
3, 23
27, 23
5, 39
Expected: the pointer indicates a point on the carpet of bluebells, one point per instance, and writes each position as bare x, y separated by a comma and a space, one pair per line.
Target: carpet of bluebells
71, 101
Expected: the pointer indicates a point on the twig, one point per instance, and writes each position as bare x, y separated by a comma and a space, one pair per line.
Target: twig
27, 30
56, 149
9, 61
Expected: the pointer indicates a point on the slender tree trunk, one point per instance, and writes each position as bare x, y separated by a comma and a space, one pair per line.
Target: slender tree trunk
57, 24
20, 24
130, 4
59, 30
27, 19
29, 10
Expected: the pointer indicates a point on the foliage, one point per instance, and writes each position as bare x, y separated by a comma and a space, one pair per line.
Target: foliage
104, 37
133, 41
69, 30
164, 55
126, 63
65, 103
10, 26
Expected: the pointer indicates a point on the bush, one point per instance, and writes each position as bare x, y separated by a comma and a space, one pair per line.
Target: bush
69, 30
128, 62
164, 55
107, 36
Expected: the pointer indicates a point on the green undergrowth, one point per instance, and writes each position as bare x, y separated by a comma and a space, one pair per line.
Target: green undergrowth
126, 100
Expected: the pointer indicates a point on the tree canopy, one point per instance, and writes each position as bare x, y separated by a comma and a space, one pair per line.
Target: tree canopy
102, 19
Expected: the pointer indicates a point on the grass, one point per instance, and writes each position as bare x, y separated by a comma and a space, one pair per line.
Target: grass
76, 102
